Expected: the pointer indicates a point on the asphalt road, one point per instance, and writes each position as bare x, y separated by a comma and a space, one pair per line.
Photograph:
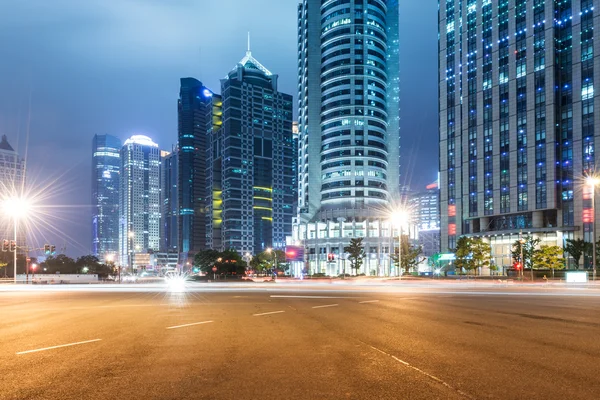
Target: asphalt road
300, 342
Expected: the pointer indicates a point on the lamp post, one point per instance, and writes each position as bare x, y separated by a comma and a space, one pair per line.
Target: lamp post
33, 268
16, 208
400, 218
274, 252
592, 182
110, 259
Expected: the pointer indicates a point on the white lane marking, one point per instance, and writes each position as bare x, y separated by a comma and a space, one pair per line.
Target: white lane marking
368, 301
192, 324
435, 378
328, 305
268, 313
309, 297
59, 346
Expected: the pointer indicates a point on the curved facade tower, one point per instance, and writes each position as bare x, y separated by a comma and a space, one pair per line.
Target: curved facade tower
348, 126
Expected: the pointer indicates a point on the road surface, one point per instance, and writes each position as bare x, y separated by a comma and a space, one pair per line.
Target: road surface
299, 342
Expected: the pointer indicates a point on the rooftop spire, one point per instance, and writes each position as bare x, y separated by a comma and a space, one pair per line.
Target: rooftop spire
249, 52
4, 145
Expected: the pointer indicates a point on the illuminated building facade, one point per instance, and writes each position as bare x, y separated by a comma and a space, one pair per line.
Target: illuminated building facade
139, 204
517, 120
199, 113
12, 181
251, 163
424, 207
169, 203
348, 121
106, 173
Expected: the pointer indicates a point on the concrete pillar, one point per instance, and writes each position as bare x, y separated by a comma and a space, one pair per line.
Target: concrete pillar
538, 219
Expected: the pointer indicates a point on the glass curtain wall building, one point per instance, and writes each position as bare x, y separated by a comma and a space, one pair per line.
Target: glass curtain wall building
106, 173
169, 202
348, 116
425, 208
252, 163
139, 223
198, 114
12, 182
516, 120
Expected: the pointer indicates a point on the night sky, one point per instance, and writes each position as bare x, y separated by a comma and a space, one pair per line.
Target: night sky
72, 68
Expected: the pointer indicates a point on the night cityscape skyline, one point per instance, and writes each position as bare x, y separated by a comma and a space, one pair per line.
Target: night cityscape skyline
299, 199
62, 126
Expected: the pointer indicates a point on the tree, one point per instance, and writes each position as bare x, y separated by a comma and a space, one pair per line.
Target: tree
549, 257
91, 265
206, 259
356, 253
411, 255
480, 253
87, 264
61, 264
463, 254
529, 246
271, 260
231, 263
576, 248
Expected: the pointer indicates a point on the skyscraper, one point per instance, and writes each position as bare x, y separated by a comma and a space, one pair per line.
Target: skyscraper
198, 114
425, 209
516, 120
169, 201
251, 166
348, 62
106, 173
139, 225
12, 184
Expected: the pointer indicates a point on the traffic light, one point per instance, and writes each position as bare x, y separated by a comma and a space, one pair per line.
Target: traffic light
13, 246
5, 245
53, 249
46, 249
517, 266
330, 257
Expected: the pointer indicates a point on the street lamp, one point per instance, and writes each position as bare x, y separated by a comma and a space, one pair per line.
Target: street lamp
270, 250
247, 258
33, 268
16, 208
110, 259
593, 181
400, 218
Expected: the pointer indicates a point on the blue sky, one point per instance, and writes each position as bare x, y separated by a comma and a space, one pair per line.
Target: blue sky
73, 68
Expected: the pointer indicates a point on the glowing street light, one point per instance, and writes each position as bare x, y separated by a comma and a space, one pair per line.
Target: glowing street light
593, 181
17, 208
33, 268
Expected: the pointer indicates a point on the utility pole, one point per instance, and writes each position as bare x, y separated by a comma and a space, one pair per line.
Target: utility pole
15, 253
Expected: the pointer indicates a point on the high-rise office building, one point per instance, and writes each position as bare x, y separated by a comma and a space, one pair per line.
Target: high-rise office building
12, 184
516, 120
139, 205
199, 112
106, 173
251, 163
424, 207
169, 202
348, 161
